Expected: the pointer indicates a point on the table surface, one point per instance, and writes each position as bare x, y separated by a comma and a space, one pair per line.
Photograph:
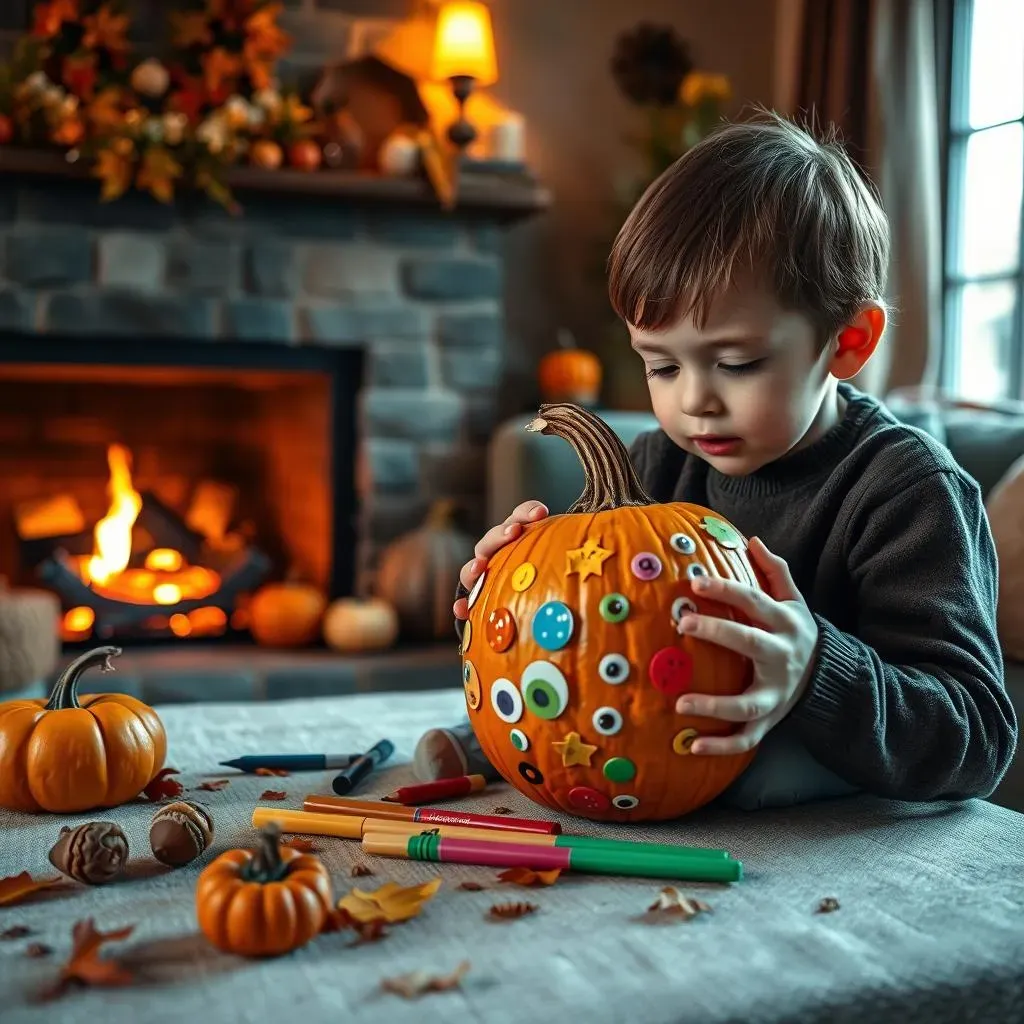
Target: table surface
930, 925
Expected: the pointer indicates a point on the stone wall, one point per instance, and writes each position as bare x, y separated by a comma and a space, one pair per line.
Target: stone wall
420, 290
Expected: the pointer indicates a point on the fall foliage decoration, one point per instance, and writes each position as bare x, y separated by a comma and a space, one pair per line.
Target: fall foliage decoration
417, 983
511, 911
163, 787
214, 785
94, 853
69, 754
85, 966
276, 772
300, 843
273, 794
527, 876
391, 903
828, 905
575, 658
263, 902
470, 886
20, 887
360, 871
671, 905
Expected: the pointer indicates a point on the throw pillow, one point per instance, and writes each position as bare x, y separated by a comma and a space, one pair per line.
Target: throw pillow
1005, 507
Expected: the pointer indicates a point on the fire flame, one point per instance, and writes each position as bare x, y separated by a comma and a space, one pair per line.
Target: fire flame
113, 535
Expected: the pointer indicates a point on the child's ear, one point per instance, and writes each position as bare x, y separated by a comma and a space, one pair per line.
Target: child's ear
856, 341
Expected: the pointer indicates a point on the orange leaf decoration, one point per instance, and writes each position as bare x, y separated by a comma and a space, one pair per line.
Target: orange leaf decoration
115, 171
161, 788
272, 771
105, 110
390, 903
510, 911
79, 75
527, 876
190, 29
672, 904
273, 794
158, 172
19, 887
85, 966
69, 133
220, 70
264, 39
106, 30
418, 983
300, 843
214, 785
50, 17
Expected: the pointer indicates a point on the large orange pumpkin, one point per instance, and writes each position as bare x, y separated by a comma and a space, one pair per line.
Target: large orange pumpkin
69, 754
572, 656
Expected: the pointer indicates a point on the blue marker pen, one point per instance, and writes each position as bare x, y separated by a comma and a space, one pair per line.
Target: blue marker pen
345, 781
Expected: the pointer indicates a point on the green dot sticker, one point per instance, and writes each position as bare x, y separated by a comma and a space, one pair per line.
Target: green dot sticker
614, 607
619, 769
519, 739
726, 536
545, 689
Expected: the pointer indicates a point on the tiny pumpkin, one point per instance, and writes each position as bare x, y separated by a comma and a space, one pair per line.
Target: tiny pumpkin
570, 374
354, 625
286, 614
263, 902
267, 154
69, 754
572, 655
305, 155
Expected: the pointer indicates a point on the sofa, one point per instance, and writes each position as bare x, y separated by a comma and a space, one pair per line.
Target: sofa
985, 442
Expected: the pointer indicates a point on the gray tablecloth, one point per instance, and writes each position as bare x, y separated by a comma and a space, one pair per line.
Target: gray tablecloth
930, 925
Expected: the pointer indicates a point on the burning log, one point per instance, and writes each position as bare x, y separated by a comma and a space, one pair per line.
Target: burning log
167, 528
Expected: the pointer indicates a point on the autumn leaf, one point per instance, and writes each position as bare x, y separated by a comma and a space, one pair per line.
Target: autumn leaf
158, 172
190, 29
511, 911
391, 902
299, 843
366, 931
273, 794
50, 17
418, 983
18, 931
115, 171
79, 75
220, 69
272, 771
161, 788
360, 871
106, 110
527, 876
672, 905
85, 966
263, 37
214, 785
502, 810
106, 30
20, 887
828, 905
471, 886
37, 949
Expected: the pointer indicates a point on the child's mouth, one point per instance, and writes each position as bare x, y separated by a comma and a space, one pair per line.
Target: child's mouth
713, 444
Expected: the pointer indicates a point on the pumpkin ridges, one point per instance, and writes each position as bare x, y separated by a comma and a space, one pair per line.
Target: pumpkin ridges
77, 780
16, 728
144, 714
130, 762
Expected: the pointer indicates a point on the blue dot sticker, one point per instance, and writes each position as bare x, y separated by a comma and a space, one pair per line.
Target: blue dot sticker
552, 625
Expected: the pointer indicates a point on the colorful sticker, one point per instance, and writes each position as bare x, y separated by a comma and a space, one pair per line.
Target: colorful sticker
584, 798
613, 668
619, 769
574, 750
680, 606
531, 773
614, 607
477, 587
588, 560
626, 802
519, 739
670, 671
695, 569
523, 577
682, 543
552, 625
471, 684
683, 740
607, 721
545, 689
646, 566
467, 635
506, 700
500, 630
726, 535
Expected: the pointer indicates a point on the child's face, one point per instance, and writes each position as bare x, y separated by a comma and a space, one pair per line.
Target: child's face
748, 387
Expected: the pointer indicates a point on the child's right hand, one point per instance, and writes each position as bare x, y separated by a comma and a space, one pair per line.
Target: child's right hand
493, 541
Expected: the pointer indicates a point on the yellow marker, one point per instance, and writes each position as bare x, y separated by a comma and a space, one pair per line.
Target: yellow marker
523, 577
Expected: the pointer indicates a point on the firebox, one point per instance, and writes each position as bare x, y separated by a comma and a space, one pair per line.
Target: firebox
155, 484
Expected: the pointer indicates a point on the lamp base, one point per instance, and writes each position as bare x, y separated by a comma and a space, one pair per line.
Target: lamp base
460, 132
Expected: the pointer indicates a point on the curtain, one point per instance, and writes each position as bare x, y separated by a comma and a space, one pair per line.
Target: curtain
877, 69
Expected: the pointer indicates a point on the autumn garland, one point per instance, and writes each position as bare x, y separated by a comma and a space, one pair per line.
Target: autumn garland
72, 84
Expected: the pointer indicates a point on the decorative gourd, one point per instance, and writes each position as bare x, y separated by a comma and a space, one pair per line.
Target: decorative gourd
286, 614
354, 625
570, 374
417, 574
74, 753
572, 656
263, 902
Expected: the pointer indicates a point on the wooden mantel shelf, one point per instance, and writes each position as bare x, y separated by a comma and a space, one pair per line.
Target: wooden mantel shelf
509, 198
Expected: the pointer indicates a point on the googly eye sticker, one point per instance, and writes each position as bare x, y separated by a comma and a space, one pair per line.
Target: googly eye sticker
696, 569
682, 543
680, 606
613, 668
607, 721
545, 689
506, 700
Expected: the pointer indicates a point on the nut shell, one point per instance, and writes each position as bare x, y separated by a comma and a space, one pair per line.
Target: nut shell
180, 832
94, 853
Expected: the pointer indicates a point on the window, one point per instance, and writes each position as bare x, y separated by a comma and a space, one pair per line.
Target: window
983, 350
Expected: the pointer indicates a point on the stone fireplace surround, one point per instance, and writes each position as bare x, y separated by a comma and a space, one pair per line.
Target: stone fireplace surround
418, 289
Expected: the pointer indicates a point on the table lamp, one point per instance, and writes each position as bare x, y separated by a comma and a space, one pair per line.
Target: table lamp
464, 54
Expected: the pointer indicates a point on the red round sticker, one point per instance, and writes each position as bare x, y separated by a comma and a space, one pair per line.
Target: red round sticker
583, 798
500, 629
671, 670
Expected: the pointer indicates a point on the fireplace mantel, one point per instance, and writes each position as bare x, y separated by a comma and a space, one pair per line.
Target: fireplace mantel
504, 198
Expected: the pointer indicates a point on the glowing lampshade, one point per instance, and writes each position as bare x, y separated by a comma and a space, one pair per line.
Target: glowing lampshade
464, 43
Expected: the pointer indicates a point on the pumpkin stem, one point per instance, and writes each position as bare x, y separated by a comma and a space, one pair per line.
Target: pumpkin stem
611, 480
266, 864
65, 691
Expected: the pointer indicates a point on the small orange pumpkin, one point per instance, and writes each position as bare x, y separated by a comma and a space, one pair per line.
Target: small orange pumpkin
354, 625
263, 902
570, 374
286, 614
572, 656
70, 754
305, 155
267, 154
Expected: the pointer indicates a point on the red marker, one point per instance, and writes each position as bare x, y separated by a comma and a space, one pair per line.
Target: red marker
441, 789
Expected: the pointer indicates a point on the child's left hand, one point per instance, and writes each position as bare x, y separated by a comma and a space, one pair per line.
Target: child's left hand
781, 646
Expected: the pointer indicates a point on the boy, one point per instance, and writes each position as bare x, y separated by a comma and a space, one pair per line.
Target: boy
750, 275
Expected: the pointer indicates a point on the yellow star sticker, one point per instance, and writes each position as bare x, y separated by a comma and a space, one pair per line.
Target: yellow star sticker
587, 560
574, 750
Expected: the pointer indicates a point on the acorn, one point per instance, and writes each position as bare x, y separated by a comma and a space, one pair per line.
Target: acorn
180, 832
94, 853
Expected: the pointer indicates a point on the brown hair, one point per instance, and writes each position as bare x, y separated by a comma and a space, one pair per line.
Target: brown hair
767, 194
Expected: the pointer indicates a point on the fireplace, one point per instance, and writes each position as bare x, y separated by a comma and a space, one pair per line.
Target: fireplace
155, 485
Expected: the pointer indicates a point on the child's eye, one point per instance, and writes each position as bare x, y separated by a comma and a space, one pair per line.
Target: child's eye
662, 371
740, 368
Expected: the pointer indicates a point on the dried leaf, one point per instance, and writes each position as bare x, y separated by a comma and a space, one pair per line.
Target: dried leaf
85, 966
827, 905
215, 785
300, 843
671, 904
19, 887
502, 810
367, 931
37, 949
271, 771
471, 886
391, 902
18, 931
360, 871
418, 983
511, 911
163, 788
527, 876
273, 794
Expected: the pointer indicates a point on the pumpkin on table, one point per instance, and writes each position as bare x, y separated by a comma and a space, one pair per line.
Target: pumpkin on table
72, 753
263, 902
572, 656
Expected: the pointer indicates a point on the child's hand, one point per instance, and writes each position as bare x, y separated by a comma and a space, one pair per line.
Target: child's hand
781, 645
493, 541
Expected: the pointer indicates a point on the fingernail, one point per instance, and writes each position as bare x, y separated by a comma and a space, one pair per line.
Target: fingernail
509, 528
701, 583
536, 512
684, 707
688, 623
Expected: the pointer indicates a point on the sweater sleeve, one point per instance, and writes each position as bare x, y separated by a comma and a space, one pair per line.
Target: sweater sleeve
914, 706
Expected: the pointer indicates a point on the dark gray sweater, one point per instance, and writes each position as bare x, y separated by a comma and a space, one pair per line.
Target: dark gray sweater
888, 541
